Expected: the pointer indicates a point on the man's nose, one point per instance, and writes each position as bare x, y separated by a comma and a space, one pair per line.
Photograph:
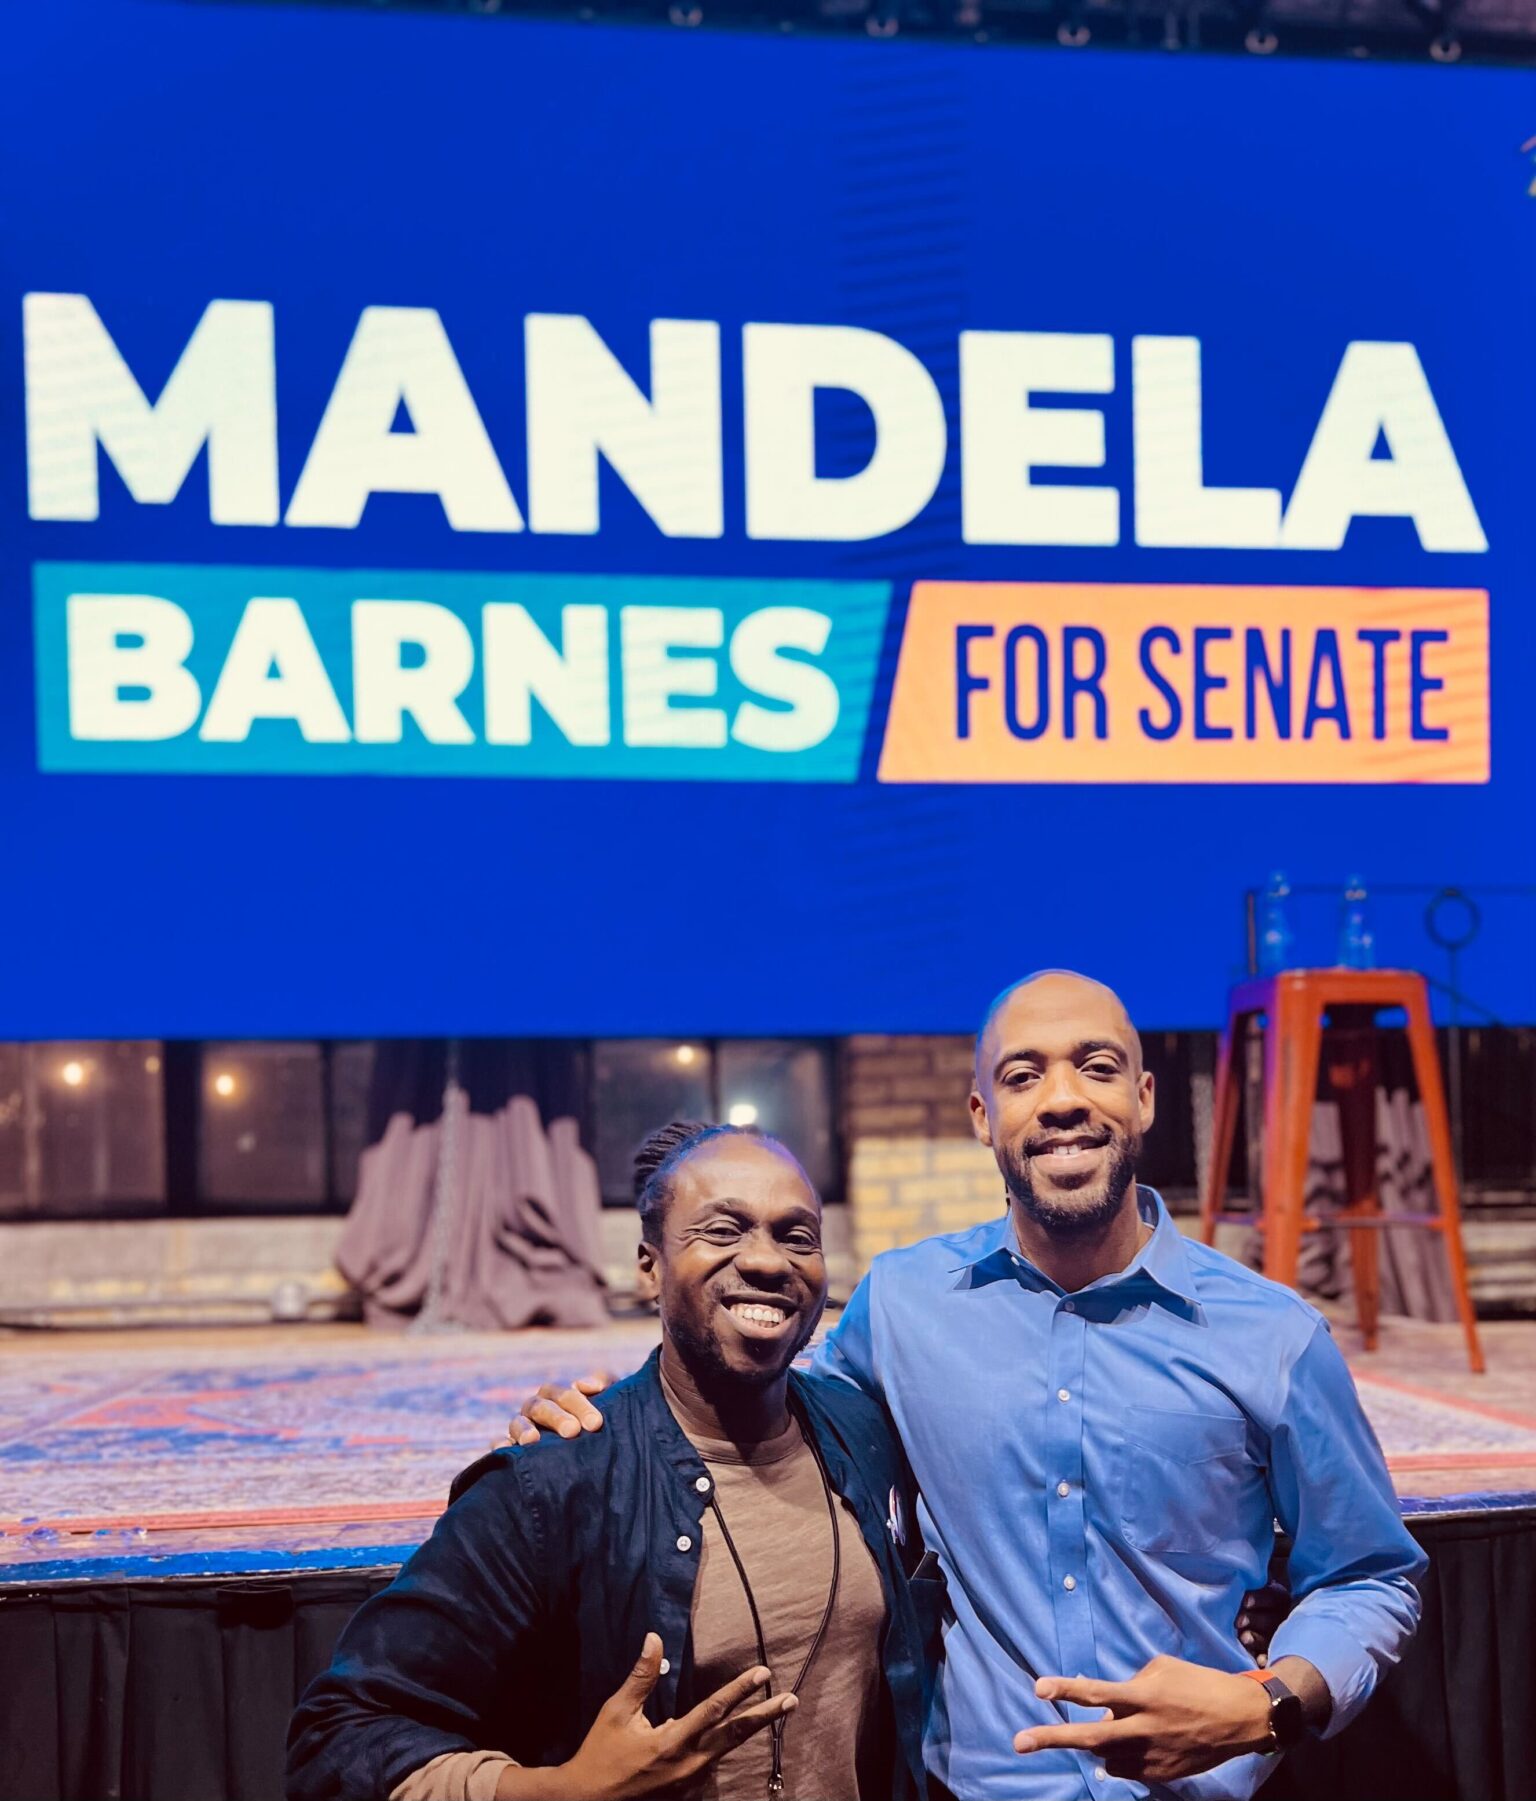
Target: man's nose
1060, 1099
762, 1257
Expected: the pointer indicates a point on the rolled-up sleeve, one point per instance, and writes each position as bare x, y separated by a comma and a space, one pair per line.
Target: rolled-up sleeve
455, 1776
1353, 1563
424, 1668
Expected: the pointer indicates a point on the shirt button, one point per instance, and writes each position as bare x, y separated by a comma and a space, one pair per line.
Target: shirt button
684, 1543
702, 1485
1099, 1772
1069, 1583
1063, 1489
666, 1665
1063, 1394
1069, 1306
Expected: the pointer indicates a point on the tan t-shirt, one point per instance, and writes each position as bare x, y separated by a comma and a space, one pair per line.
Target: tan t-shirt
834, 1745
773, 1502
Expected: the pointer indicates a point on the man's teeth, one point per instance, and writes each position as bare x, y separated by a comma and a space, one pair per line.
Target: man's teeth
758, 1315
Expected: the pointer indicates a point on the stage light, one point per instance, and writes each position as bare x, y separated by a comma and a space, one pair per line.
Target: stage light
152, 1065
686, 1054
73, 1074
224, 1084
742, 1113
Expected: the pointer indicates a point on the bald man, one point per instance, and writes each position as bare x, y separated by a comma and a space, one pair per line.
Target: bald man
1105, 1421
1100, 1505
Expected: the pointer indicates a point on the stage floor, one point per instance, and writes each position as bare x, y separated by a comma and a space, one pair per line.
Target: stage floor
142, 1454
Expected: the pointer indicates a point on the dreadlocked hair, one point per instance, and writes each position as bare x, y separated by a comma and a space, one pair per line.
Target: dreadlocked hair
659, 1157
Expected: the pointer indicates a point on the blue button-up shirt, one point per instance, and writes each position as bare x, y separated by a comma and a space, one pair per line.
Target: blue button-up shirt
1101, 1472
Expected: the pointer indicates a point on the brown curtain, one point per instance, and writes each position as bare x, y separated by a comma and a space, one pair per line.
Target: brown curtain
477, 1206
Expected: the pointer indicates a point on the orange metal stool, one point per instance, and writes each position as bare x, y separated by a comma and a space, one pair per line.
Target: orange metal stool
1292, 1005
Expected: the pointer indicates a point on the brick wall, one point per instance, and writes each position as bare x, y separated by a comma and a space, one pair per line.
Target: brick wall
913, 1166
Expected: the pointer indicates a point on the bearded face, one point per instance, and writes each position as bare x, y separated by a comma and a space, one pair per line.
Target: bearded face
1042, 1178
1062, 1098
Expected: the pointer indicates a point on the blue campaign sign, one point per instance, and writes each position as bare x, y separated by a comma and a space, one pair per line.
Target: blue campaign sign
173, 669
524, 528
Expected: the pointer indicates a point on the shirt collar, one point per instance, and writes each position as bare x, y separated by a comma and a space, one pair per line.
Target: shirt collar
1162, 1262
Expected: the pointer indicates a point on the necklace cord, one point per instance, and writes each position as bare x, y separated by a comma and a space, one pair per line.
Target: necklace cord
776, 1727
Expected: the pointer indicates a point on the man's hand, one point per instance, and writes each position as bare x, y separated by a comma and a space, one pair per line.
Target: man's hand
1171, 1719
1260, 1617
624, 1757
566, 1411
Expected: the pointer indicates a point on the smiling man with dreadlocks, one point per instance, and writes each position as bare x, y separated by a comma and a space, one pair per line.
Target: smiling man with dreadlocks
593, 1619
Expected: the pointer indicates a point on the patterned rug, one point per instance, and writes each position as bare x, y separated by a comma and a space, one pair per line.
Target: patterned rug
224, 1438
1423, 1431
376, 1430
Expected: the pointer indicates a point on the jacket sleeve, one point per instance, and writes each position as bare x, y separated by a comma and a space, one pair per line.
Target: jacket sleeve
1353, 1563
425, 1667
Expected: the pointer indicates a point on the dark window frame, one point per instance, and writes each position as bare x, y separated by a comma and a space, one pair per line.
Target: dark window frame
834, 1194
131, 1209
1498, 1139
185, 1110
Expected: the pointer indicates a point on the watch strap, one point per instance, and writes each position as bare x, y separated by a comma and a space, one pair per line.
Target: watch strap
1286, 1720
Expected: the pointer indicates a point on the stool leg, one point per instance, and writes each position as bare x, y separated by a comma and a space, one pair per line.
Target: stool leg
1426, 1069
1291, 1042
1223, 1127
1352, 1076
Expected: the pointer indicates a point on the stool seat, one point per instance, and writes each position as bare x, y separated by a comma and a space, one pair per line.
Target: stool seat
1298, 1044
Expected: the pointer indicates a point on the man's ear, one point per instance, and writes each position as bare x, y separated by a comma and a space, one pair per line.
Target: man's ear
1146, 1097
980, 1124
647, 1275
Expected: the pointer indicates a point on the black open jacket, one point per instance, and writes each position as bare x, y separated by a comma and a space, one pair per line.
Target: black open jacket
527, 1607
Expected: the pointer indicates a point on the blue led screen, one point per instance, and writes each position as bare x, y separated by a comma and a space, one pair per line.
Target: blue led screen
525, 528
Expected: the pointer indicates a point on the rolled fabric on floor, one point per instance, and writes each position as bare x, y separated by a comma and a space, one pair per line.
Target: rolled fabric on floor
471, 1210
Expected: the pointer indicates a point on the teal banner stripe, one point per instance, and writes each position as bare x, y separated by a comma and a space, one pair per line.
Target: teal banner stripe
214, 670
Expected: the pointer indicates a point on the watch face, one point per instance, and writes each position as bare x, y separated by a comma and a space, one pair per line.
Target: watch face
1285, 1716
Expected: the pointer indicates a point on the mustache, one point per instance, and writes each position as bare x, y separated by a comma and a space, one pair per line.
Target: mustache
1091, 1140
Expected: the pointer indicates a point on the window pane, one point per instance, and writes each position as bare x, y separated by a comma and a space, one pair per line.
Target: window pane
784, 1086
14, 1187
262, 1114
351, 1073
637, 1085
82, 1128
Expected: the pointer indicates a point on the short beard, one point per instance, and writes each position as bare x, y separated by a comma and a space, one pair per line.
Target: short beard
1079, 1218
700, 1351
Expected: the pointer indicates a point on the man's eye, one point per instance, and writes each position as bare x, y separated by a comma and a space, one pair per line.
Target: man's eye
1102, 1069
721, 1234
803, 1241
1017, 1078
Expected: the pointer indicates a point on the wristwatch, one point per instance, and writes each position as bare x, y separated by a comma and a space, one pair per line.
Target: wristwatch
1287, 1721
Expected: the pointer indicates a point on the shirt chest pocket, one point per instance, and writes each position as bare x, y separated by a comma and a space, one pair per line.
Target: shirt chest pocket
1182, 1479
